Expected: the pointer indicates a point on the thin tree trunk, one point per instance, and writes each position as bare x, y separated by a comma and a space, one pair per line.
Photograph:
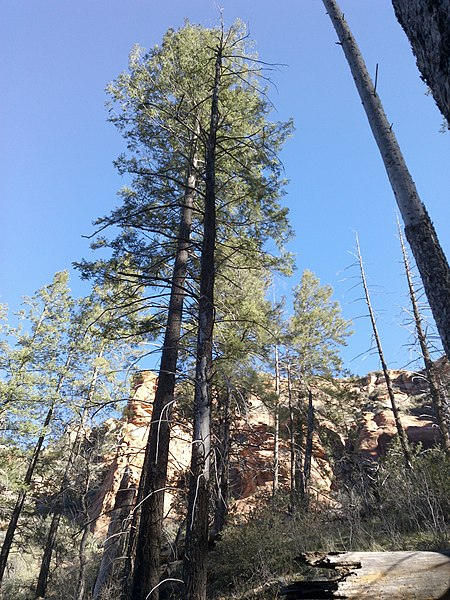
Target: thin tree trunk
308, 446
115, 544
82, 559
10, 532
387, 378
299, 459
196, 549
292, 446
41, 587
146, 573
276, 426
435, 391
428, 254
222, 465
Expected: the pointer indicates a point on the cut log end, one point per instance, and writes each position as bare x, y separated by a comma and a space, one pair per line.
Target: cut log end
381, 575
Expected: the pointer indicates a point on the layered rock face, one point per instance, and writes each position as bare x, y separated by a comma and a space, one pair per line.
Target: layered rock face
377, 426
251, 465
129, 456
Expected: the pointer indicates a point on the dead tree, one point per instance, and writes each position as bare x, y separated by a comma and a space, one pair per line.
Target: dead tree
369, 575
387, 378
430, 259
435, 390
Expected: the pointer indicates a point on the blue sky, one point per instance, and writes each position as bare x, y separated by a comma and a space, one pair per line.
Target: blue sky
57, 148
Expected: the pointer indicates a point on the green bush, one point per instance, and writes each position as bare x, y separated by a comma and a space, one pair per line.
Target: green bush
415, 506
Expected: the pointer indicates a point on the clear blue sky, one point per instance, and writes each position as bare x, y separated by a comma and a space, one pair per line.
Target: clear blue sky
57, 148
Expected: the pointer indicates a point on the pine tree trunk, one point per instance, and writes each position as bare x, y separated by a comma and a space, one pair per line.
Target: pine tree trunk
146, 573
196, 549
9, 536
387, 378
115, 543
222, 465
308, 446
276, 426
292, 446
82, 555
12, 525
437, 399
427, 25
299, 460
420, 233
82, 558
41, 588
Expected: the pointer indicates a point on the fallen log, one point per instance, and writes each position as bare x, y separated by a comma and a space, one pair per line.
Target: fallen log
380, 575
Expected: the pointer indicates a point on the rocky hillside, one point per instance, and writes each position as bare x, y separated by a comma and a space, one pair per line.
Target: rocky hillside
353, 424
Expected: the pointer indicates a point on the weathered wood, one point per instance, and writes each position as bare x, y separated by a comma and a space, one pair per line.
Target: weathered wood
380, 575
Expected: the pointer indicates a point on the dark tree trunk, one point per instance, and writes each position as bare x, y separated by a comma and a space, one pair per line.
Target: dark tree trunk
437, 398
433, 267
82, 559
276, 426
387, 378
292, 445
115, 544
146, 573
196, 549
308, 446
222, 464
427, 25
299, 460
430, 259
41, 588
12, 525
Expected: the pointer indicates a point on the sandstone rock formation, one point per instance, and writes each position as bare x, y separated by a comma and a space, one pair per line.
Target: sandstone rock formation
251, 468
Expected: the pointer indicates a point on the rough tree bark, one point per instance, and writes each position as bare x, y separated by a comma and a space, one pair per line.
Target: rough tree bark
222, 464
196, 548
427, 25
146, 573
387, 378
437, 398
115, 540
308, 447
420, 233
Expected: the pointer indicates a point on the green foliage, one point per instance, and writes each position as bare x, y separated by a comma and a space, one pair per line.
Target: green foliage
24, 565
416, 506
36, 362
395, 512
316, 331
251, 552
161, 107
